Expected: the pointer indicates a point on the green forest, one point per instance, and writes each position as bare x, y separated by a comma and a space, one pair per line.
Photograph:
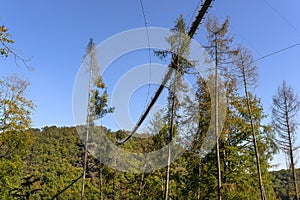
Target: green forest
50, 167
234, 164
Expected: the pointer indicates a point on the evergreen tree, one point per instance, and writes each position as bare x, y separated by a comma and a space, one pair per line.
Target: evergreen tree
236, 150
236, 163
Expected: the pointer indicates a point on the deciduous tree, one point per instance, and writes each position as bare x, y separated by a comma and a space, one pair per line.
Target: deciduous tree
247, 74
15, 119
97, 101
285, 108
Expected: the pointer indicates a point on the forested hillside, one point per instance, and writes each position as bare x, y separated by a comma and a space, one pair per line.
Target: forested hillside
52, 168
199, 130
283, 184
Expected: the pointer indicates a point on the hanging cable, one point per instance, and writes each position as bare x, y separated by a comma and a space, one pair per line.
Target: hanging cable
263, 57
282, 17
149, 52
167, 76
276, 52
194, 13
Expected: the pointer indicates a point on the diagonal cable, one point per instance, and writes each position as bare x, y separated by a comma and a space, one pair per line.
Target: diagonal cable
191, 33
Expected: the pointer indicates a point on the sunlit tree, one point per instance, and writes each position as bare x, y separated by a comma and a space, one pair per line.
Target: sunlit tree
285, 108
97, 101
15, 119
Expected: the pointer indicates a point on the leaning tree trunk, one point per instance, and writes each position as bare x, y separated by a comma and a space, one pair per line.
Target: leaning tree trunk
171, 133
291, 152
261, 187
142, 184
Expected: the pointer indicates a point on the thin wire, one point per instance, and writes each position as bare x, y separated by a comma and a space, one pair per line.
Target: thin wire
166, 78
282, 17
193, 15
149, 52
246, 40
276, 52
236, 32
263, 57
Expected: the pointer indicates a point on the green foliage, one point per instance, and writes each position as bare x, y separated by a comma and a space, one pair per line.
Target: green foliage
283, 183
4, 40
239, 177
53, 163
47, 163
98, 102
96, 109
15, 119
15, 109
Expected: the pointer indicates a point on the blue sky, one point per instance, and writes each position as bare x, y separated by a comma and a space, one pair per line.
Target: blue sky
55, 34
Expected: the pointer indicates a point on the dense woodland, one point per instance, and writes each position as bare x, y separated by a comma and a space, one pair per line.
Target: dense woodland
51, 167
50, 163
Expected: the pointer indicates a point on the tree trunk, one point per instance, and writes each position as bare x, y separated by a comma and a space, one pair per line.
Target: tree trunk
293, 170
199, 173
284, 113
142, 179
113, 186
87, 134
291, 151
261, 187
101, 180
217, 121
171, 132
168, 173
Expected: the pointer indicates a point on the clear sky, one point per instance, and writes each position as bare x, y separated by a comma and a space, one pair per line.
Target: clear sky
55, 34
